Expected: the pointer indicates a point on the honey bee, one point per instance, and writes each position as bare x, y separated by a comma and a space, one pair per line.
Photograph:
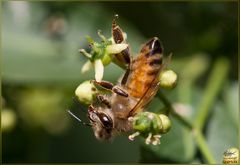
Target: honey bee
113, 112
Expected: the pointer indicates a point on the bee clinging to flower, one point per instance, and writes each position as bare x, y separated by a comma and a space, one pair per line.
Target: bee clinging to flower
121, 108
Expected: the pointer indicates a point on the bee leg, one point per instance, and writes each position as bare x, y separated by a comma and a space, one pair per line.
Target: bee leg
104, 100
123, 58
117, 33
104, 84
119, 91
107, 85
125, 77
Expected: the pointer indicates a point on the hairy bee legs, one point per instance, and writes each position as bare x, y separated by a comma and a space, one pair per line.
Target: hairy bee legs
109, 86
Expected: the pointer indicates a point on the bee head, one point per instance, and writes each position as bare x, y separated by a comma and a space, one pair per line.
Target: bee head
101, 121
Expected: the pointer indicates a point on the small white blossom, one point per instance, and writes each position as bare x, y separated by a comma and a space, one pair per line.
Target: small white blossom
99, 70
116, 48
87, 66
153, 139
132, 137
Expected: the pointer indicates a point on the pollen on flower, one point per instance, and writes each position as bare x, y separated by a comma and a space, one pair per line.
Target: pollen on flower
87, 66
153, 139
132, 137
150, 116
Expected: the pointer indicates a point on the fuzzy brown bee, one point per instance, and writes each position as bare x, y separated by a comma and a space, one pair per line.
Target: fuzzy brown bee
137, 88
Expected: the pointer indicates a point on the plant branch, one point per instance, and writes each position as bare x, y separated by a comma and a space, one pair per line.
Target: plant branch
214, 84
199, 138
203, 147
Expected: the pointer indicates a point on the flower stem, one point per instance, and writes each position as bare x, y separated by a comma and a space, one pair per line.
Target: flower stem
199, 138
203, 147
214, 84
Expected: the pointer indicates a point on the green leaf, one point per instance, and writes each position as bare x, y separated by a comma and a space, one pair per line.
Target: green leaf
222, 132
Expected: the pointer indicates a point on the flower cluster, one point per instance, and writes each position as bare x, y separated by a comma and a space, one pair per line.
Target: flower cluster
101, 54
150, 125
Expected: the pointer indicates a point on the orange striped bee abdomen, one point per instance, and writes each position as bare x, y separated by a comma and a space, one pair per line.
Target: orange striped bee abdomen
145, 67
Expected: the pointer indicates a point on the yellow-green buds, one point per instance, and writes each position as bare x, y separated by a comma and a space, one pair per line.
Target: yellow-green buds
86, 92
166, 123
106, 60
145, 122
8, 120
168, 79
150, 126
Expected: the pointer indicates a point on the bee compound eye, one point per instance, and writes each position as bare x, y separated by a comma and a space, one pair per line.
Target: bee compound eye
106, 120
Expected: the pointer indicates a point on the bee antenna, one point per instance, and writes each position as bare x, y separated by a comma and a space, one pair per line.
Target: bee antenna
87, 124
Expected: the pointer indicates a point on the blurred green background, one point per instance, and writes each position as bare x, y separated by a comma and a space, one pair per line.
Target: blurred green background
41, 69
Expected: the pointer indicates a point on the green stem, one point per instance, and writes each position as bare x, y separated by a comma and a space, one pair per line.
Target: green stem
214, 84
184, 121
203, 147
199, 138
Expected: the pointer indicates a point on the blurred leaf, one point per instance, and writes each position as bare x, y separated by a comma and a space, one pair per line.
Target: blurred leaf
231, 100
33, 57
43, 107
222, 132
189, 74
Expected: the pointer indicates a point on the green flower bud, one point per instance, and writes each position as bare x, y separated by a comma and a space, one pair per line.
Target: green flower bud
86, 92
8, 120
166, 123
141, 122
150, 126
106, 59
168, 79
156, 124
146, 122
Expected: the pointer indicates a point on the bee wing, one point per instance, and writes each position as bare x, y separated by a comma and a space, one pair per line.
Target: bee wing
147, 96
151, 91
